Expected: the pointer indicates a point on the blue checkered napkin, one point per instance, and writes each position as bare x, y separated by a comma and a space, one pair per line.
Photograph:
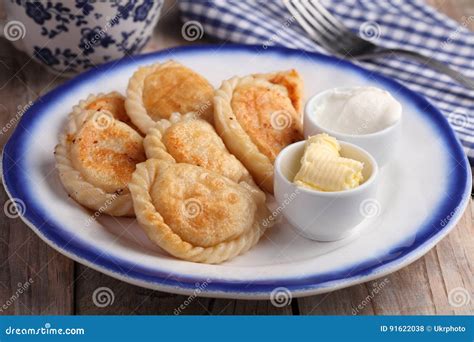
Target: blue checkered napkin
408, 24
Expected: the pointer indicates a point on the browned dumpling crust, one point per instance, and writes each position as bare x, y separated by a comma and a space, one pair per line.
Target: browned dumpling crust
293, 83
155, 92
224, 209
112, 103
196, 214
96, 157
256, 120
106, 157
267, 115
189, 139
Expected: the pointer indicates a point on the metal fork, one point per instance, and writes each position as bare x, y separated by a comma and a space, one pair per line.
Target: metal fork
330, 33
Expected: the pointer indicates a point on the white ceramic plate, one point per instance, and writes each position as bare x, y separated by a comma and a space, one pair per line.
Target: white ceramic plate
421, 195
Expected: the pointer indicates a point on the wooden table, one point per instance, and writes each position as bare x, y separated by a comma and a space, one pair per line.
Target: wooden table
62, 286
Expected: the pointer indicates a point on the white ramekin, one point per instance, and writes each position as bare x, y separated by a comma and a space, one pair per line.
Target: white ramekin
317, 215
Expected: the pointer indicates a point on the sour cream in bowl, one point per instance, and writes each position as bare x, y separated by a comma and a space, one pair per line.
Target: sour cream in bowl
366, 116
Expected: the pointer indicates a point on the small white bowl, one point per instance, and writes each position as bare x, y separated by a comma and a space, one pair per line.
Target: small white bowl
383, 145
317, 215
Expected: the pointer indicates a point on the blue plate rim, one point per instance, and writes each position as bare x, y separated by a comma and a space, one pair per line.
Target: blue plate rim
452, 207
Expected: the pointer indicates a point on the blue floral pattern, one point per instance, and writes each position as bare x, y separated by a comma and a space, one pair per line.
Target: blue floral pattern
85, 6
94, 37
43, 12
55, 18
141, 12
124, 11
69, 60
38, 12
46, 55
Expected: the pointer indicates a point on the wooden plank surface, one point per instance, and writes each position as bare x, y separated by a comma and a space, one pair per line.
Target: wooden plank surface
60, 286
23, 255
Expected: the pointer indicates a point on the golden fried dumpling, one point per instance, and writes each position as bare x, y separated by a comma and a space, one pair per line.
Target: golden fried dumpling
113, 103
156, 91
196, 214
191, 140
256, 120
96, 158
292, 81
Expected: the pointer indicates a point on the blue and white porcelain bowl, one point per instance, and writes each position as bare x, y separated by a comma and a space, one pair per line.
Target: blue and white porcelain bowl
72, 36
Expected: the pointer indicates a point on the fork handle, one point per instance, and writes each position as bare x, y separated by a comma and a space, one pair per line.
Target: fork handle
434, 64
